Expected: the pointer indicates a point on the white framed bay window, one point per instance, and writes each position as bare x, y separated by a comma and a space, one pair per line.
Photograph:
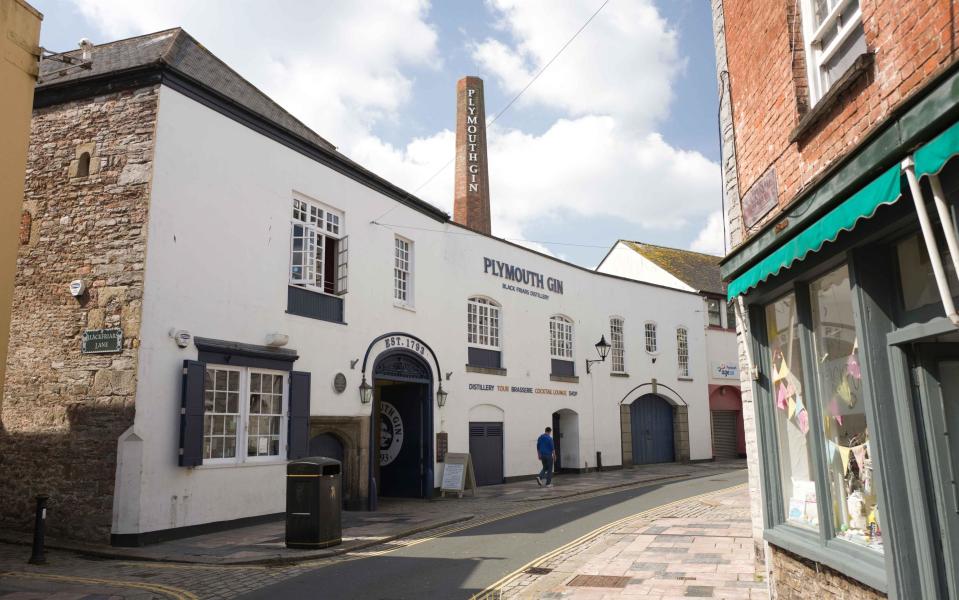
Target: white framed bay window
245, 415
834, 38
318, 248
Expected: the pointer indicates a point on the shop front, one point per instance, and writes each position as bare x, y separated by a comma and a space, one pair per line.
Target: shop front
849, 304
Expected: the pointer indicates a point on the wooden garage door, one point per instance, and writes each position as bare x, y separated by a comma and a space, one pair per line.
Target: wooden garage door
724, 433
486, 450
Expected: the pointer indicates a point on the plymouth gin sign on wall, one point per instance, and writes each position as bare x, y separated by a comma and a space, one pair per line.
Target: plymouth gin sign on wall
527, 281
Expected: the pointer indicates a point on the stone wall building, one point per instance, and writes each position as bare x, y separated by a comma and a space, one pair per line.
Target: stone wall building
63, 411
838, 122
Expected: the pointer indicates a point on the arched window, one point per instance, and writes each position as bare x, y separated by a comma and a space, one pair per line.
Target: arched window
482, 323
682, 352
617, 353
83, 165
650, 329
561, 337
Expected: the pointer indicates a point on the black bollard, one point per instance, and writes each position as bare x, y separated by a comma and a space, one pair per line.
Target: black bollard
599, 461
38, 557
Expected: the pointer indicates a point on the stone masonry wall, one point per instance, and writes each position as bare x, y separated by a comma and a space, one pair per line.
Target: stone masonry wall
63, 411
912, 42
796, 578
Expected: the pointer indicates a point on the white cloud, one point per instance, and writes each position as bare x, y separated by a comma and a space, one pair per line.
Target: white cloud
623, 64
710, 239
338, 66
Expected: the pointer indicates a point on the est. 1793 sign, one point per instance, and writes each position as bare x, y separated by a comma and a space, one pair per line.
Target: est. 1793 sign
102, 341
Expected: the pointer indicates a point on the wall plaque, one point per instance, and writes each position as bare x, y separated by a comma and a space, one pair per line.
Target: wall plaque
761, 198
339, 383
102, 341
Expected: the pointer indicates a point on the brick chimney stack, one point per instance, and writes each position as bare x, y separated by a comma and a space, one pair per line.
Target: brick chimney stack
471, 188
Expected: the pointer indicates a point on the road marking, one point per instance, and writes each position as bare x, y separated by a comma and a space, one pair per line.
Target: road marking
169, 591
494, 590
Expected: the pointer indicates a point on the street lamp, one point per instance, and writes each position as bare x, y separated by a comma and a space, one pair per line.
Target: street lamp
602, 348
441, 396
366, 391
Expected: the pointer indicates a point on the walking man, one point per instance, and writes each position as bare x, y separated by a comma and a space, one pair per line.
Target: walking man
546, 454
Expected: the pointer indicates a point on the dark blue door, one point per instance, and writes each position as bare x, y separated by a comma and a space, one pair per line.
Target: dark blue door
651, 419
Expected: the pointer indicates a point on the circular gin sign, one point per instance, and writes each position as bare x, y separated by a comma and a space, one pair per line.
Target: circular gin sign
391, 433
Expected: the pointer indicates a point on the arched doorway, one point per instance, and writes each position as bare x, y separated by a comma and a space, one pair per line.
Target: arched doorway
651, 419
403, 425
566, 440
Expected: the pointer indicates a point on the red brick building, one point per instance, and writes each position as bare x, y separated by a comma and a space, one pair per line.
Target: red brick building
840, 124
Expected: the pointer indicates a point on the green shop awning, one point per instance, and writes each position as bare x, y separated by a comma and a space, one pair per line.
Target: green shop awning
934, 155
885, 189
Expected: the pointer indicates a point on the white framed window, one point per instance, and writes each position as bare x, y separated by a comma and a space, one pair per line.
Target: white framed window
731, 314
244, 415
483, 323
834, 38
714, 312
403, 271
682, 352
318, 249
649, 328
617, 352
561, 337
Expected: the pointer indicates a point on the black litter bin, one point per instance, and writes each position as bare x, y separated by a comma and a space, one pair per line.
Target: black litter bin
313, 518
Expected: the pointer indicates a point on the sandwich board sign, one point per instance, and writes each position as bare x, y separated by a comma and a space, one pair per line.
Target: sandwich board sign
458, 474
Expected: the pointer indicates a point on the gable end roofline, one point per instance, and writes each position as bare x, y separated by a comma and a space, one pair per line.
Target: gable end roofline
161, 73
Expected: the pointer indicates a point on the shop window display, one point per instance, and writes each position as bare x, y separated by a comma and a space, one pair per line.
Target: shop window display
848, 458
791, 415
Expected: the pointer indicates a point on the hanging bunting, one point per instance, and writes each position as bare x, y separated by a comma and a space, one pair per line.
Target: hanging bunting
852, 366
834, 410
802, 418
782, 372
860, 453
827, 426
781, 397
845, 393
844, 455
792, 408
799, 403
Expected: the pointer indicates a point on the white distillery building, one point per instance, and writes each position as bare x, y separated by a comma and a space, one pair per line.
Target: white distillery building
243, 284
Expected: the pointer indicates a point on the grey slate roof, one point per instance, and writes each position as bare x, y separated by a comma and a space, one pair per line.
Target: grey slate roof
697, 270
179, 51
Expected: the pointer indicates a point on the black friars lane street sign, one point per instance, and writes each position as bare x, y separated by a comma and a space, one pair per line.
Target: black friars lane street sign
102, 341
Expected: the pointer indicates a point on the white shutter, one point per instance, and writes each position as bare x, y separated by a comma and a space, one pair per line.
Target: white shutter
342, 269
302, 254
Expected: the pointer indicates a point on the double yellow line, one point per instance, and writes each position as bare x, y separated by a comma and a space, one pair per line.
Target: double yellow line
168, 591
494, 591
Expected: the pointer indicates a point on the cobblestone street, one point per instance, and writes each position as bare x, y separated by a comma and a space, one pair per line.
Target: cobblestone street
699, 547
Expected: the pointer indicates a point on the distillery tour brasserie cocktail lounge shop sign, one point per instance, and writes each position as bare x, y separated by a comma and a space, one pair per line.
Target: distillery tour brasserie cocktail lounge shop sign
526, 277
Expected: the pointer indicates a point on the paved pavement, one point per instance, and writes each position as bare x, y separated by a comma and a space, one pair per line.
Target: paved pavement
395, 518
509, 528
697, 547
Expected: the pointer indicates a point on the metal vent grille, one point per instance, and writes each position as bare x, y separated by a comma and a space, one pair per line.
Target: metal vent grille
603, 581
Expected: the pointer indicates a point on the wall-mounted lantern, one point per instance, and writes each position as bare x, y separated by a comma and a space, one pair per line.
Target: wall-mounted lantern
602, 348
441, 396
366, 391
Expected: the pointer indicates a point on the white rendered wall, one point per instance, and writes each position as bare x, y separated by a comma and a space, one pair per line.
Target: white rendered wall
626, 262
217, 266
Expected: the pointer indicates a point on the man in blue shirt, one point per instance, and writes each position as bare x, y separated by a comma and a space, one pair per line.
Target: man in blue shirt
546, 454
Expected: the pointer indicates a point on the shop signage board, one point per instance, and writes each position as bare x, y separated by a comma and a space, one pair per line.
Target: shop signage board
520, 389
458, 474
761, 198
102, 341
527, 281
725, 370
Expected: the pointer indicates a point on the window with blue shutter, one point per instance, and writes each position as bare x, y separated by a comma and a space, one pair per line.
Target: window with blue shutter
191, 414
298, 440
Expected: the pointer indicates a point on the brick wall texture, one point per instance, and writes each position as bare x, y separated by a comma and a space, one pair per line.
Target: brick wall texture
912, 42
795, 578
62, 411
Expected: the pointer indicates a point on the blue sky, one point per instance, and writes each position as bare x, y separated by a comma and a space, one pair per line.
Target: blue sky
618, 139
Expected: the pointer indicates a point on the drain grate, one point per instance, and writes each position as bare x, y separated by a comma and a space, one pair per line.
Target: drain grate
603, 581
537, 571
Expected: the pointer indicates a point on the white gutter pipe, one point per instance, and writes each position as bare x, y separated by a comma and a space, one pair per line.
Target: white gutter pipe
932, 248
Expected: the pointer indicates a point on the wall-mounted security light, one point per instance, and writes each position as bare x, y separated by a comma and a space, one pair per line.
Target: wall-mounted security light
277, 340
77, 287
182, 337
